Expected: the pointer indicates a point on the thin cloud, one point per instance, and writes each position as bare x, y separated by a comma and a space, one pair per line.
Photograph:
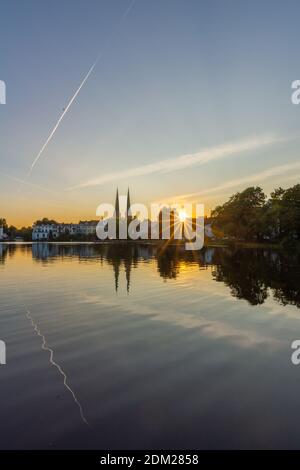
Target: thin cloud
254, 178
185, 161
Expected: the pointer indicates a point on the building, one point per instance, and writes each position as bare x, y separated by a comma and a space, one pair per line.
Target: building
3, 235
168, 223
46, 232
42, 232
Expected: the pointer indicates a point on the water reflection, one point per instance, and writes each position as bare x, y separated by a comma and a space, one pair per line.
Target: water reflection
3, 252
250, 274
254, 274
151, 346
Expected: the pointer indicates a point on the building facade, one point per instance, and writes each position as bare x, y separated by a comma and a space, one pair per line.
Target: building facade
44, 232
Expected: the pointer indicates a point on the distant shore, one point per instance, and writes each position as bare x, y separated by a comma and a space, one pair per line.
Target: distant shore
180, 243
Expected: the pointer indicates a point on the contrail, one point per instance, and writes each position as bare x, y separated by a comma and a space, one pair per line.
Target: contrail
45, 347
31, 185
123, 17
61, 118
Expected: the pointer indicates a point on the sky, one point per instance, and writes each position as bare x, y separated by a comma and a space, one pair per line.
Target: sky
188, 101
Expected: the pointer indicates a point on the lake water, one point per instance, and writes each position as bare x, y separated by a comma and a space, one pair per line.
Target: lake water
121, 347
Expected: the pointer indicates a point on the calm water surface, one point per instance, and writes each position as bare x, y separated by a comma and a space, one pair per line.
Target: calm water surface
111, 347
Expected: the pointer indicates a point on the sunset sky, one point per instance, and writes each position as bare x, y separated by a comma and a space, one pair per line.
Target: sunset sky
189, 101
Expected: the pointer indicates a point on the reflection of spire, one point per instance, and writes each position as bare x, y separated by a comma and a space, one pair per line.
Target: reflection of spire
117, 213
127, 264
116, 266
117, 207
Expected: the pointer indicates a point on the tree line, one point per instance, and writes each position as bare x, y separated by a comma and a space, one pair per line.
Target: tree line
251, 216
12, 232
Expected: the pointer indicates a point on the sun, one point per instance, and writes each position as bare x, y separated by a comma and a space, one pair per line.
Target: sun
182, 215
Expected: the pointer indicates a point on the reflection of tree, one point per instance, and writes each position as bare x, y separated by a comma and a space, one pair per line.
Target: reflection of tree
168, 263
249, 274
7, 251
243, 274
3, 253
171, 258
285, 282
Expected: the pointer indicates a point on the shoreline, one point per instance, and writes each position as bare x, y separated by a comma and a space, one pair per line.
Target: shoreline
212, 244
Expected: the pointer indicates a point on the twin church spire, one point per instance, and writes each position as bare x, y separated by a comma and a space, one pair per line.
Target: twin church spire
128, 213
117, 205
127, 261
118, 214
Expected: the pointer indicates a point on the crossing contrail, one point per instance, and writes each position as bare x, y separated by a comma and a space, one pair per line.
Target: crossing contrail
33, 164
31, 185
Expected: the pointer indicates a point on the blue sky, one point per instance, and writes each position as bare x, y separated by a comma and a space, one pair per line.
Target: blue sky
175, 78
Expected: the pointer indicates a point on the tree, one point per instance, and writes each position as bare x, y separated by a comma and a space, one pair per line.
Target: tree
241, 216
12, 231
25, 233
3, 223
45, 221
283, 214
290, 213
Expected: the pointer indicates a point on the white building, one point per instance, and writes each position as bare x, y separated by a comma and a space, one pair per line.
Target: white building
53, 231
3, 235
42, 232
